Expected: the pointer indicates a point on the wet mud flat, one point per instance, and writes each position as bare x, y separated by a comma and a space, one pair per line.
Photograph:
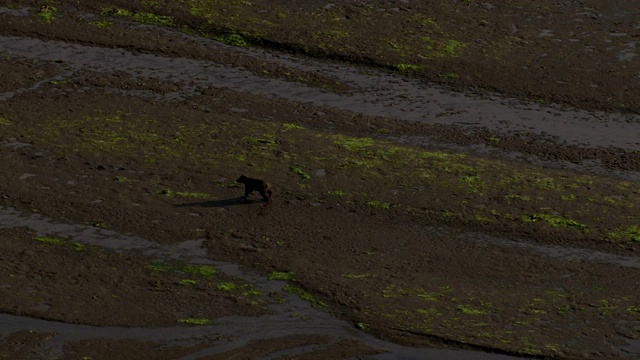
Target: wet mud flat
386, 226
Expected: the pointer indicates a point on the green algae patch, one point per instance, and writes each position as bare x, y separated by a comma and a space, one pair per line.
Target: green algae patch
405, 68
143, 17
303, 295
355, 144
442, 48
471, 179
195, 321
293, 289
468, 310
58, 241
200, 270
631, 233
378, 204
281, 275
298, 171
205, 271
634, 309
232, 39
4, 121
102, 23
47, 13
227, 286
290, 126
554, 220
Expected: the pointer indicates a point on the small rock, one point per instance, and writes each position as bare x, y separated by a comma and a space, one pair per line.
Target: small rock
239, 235
25, 176
249, 248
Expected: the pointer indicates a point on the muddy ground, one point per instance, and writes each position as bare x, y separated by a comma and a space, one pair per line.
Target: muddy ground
389, 236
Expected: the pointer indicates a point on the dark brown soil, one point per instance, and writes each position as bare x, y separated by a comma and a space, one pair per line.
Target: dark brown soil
418, 245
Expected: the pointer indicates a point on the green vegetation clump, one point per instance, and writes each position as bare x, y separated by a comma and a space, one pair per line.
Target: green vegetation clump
227, 286
292, 289
631, 233
281, 275
471, 179
200, 270
143, 17
554, 220
206, 271
354, 143
57, 241
511, 197
378, 204
298, 171
407, 67
232, 39
195, 321
468, 310
46, 13
290, 126
446, 48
